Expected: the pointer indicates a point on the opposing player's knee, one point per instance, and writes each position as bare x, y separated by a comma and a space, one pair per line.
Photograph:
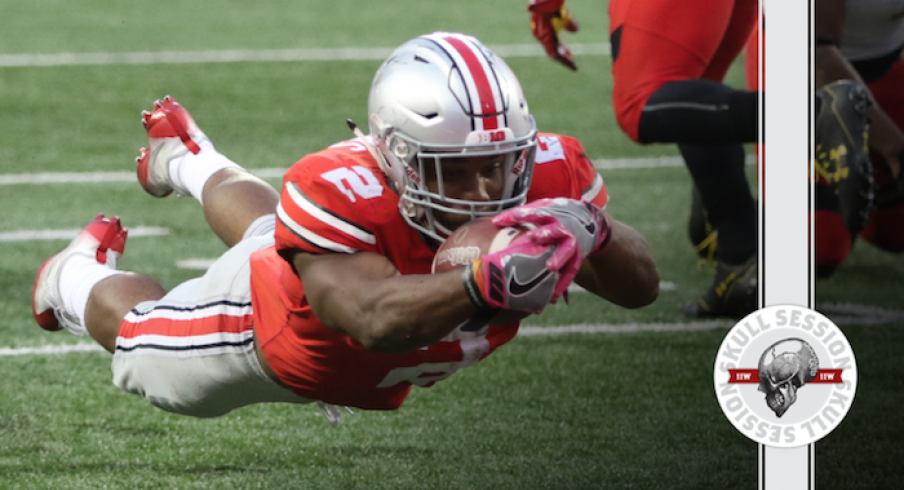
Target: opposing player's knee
833, 242
825, 271
628, 118
828, 261
888, 240
885, 229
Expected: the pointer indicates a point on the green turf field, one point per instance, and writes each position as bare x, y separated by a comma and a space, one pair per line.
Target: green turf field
606, 410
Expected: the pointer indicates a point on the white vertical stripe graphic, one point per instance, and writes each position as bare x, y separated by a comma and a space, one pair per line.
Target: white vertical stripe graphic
784, 203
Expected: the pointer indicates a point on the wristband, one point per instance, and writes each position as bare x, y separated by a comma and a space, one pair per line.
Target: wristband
471, 287
600, 249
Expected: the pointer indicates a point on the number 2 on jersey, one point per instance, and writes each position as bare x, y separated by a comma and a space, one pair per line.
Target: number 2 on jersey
355, 181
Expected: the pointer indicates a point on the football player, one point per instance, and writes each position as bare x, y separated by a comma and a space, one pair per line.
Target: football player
326, 293
862, 41
669, 58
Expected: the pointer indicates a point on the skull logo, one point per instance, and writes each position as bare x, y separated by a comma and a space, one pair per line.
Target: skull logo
784, 367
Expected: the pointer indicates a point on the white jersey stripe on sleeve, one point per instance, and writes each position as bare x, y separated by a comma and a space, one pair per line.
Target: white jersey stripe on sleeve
328, 218
309, 236
591, 192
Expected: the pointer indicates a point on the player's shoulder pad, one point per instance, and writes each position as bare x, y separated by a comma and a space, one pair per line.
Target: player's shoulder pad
563, 169
553, 147
343, 176
335, 200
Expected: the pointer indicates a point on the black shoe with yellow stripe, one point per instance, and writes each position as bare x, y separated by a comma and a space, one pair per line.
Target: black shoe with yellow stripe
732, 294
842, 155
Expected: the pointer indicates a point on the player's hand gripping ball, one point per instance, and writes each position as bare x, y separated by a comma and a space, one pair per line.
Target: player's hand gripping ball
470, 241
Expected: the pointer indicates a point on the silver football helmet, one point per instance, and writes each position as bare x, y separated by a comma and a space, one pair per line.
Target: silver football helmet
446, 95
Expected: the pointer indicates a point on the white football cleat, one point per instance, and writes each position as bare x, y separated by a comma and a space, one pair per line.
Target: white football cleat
173, 134
103, 240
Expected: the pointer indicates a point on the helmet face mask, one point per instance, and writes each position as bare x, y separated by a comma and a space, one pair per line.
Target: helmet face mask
439, 99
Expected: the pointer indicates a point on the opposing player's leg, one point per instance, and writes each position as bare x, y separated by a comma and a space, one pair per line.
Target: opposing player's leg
180, 158
833, 240
842, 157
667, 71
700, 230
667, 88
885, 229
718, 172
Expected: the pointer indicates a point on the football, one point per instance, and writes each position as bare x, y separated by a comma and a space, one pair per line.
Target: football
470, 241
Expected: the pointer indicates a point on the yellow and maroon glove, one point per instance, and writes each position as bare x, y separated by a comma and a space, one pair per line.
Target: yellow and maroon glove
547, 18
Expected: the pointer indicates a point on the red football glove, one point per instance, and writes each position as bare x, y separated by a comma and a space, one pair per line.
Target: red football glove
547, 18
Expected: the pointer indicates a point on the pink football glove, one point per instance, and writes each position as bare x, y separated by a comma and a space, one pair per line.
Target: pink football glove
547, 18
584, 222
524, 275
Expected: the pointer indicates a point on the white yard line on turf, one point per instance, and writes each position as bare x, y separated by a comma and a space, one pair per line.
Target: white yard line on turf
862, 315
854, 314
204, 264
49, 350
274, 173
527, 331
24, 235
257, 55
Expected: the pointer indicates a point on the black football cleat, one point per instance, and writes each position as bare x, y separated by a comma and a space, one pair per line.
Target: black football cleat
842, 155
733, 293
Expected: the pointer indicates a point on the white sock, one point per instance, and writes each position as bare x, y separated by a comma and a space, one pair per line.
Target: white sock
192, 171
77, 278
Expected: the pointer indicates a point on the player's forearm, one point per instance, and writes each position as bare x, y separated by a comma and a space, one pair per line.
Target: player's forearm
406, 313
625, 273
364, 296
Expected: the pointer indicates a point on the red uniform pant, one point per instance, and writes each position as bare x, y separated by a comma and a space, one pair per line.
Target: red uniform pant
661, 41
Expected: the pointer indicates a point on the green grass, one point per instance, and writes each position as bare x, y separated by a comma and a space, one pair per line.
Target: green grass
576, 411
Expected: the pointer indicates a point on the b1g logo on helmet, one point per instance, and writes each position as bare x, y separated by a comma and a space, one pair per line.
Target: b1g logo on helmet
489, 136
767, 360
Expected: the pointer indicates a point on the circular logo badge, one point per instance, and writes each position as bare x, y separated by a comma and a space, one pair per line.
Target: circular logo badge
785, 376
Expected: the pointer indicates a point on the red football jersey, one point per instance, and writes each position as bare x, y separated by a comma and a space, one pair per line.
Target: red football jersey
338, 201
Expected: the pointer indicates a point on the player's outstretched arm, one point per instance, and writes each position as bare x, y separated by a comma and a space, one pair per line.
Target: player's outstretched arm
614, 259
364, 296
624, 272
